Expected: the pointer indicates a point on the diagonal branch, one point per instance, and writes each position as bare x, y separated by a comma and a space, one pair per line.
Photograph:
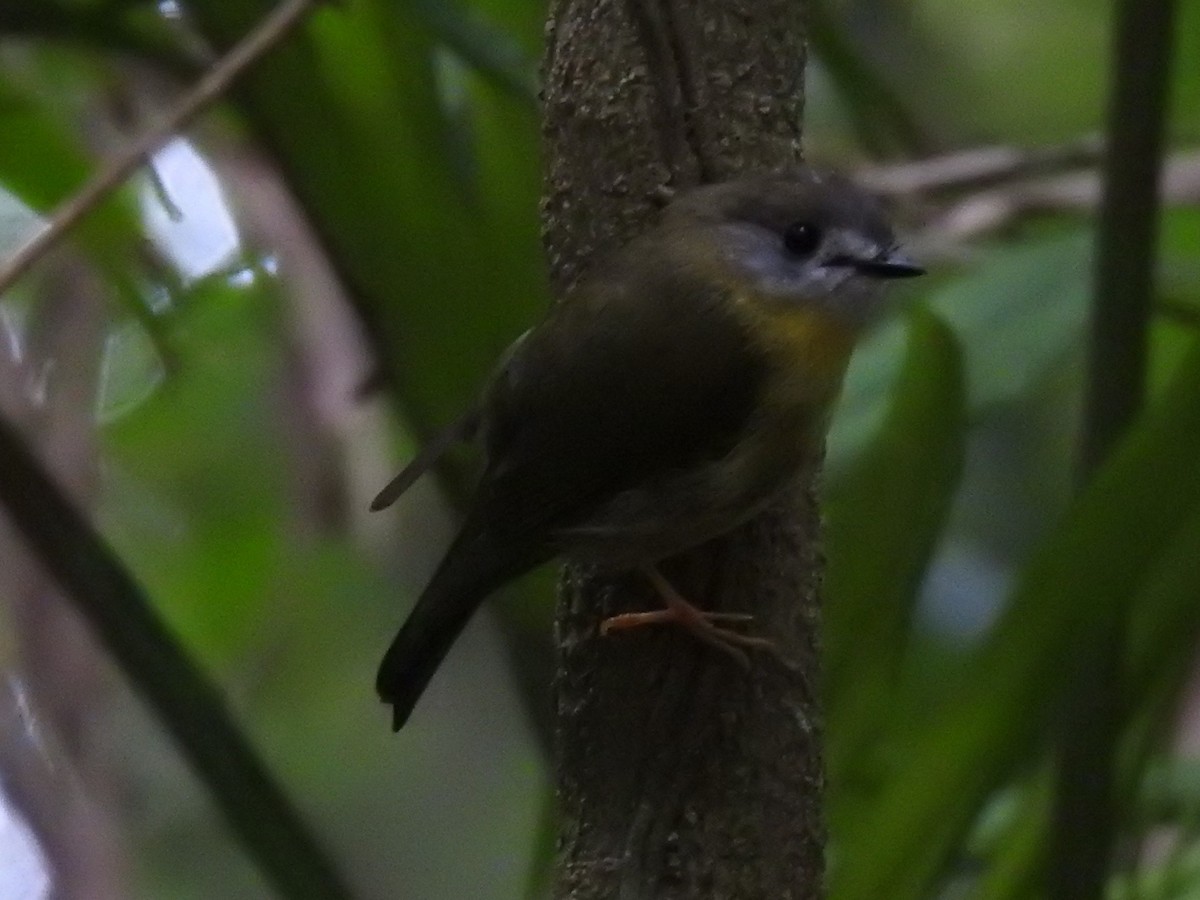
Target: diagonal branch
274, 28
186, 701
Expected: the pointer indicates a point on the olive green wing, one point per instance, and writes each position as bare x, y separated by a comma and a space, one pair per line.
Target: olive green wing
610, 393
614, 391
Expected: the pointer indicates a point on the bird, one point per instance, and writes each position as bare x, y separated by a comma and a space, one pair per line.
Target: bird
679, 387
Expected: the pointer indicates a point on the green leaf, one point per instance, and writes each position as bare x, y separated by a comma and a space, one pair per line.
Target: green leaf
1088, 569
17, 222
1164, 623
489, 50
1171, 790
1015, 314
202, 457
884, 520
1019, 853
44, 167
351, 108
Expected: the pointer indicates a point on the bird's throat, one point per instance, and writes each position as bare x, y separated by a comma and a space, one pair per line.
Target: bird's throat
808, 351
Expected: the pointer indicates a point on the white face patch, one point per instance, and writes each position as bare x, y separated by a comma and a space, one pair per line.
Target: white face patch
821, 280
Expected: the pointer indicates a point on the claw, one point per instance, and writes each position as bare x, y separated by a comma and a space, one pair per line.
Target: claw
678, 611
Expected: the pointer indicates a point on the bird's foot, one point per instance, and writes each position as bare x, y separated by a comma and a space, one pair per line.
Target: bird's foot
703, 625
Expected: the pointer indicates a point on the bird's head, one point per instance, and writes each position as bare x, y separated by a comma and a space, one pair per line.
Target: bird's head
803, 238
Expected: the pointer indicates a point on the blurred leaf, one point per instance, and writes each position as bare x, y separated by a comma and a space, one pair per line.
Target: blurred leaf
1165, 621
489, 50
1176, 878
884, 520
17, 222
1171, 790
445, 268
1178, 287
131, 369
993, 57
45, 167
201, 499
1090, 567
351, 108
1015, 860
545, 851
131, 27
1015, 314
882, 120
209, 529
1184, 117
1164, 625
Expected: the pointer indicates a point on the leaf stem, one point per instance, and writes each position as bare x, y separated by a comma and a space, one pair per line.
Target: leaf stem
185, 700
1086, 819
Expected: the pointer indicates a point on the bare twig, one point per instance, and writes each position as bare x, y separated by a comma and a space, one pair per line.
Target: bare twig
979, 167
273, 28
990, 210
43, 788
961, 197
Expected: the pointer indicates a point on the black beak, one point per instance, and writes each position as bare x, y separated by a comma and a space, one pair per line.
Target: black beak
892, 264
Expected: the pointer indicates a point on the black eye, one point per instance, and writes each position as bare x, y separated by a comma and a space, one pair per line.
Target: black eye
802, 238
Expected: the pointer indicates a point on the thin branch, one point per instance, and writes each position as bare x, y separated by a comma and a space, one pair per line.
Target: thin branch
1086, 806
979, 167
186, 701
998, 207
274, 28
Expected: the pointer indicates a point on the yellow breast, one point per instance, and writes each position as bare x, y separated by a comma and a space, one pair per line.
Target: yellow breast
807, 350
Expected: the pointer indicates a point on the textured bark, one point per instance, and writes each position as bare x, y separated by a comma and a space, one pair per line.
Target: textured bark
680, 774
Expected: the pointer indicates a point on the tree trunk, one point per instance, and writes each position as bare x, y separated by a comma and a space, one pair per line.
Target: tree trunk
681, 775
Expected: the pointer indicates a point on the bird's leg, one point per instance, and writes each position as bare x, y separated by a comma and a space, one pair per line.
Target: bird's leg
679, 611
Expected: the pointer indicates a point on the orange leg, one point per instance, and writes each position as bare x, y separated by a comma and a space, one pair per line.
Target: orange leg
679, 611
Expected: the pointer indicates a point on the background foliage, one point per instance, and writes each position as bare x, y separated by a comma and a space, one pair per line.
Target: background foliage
235, 352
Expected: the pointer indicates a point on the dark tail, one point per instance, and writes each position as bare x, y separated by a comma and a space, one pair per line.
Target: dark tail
462, 429
470, 571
